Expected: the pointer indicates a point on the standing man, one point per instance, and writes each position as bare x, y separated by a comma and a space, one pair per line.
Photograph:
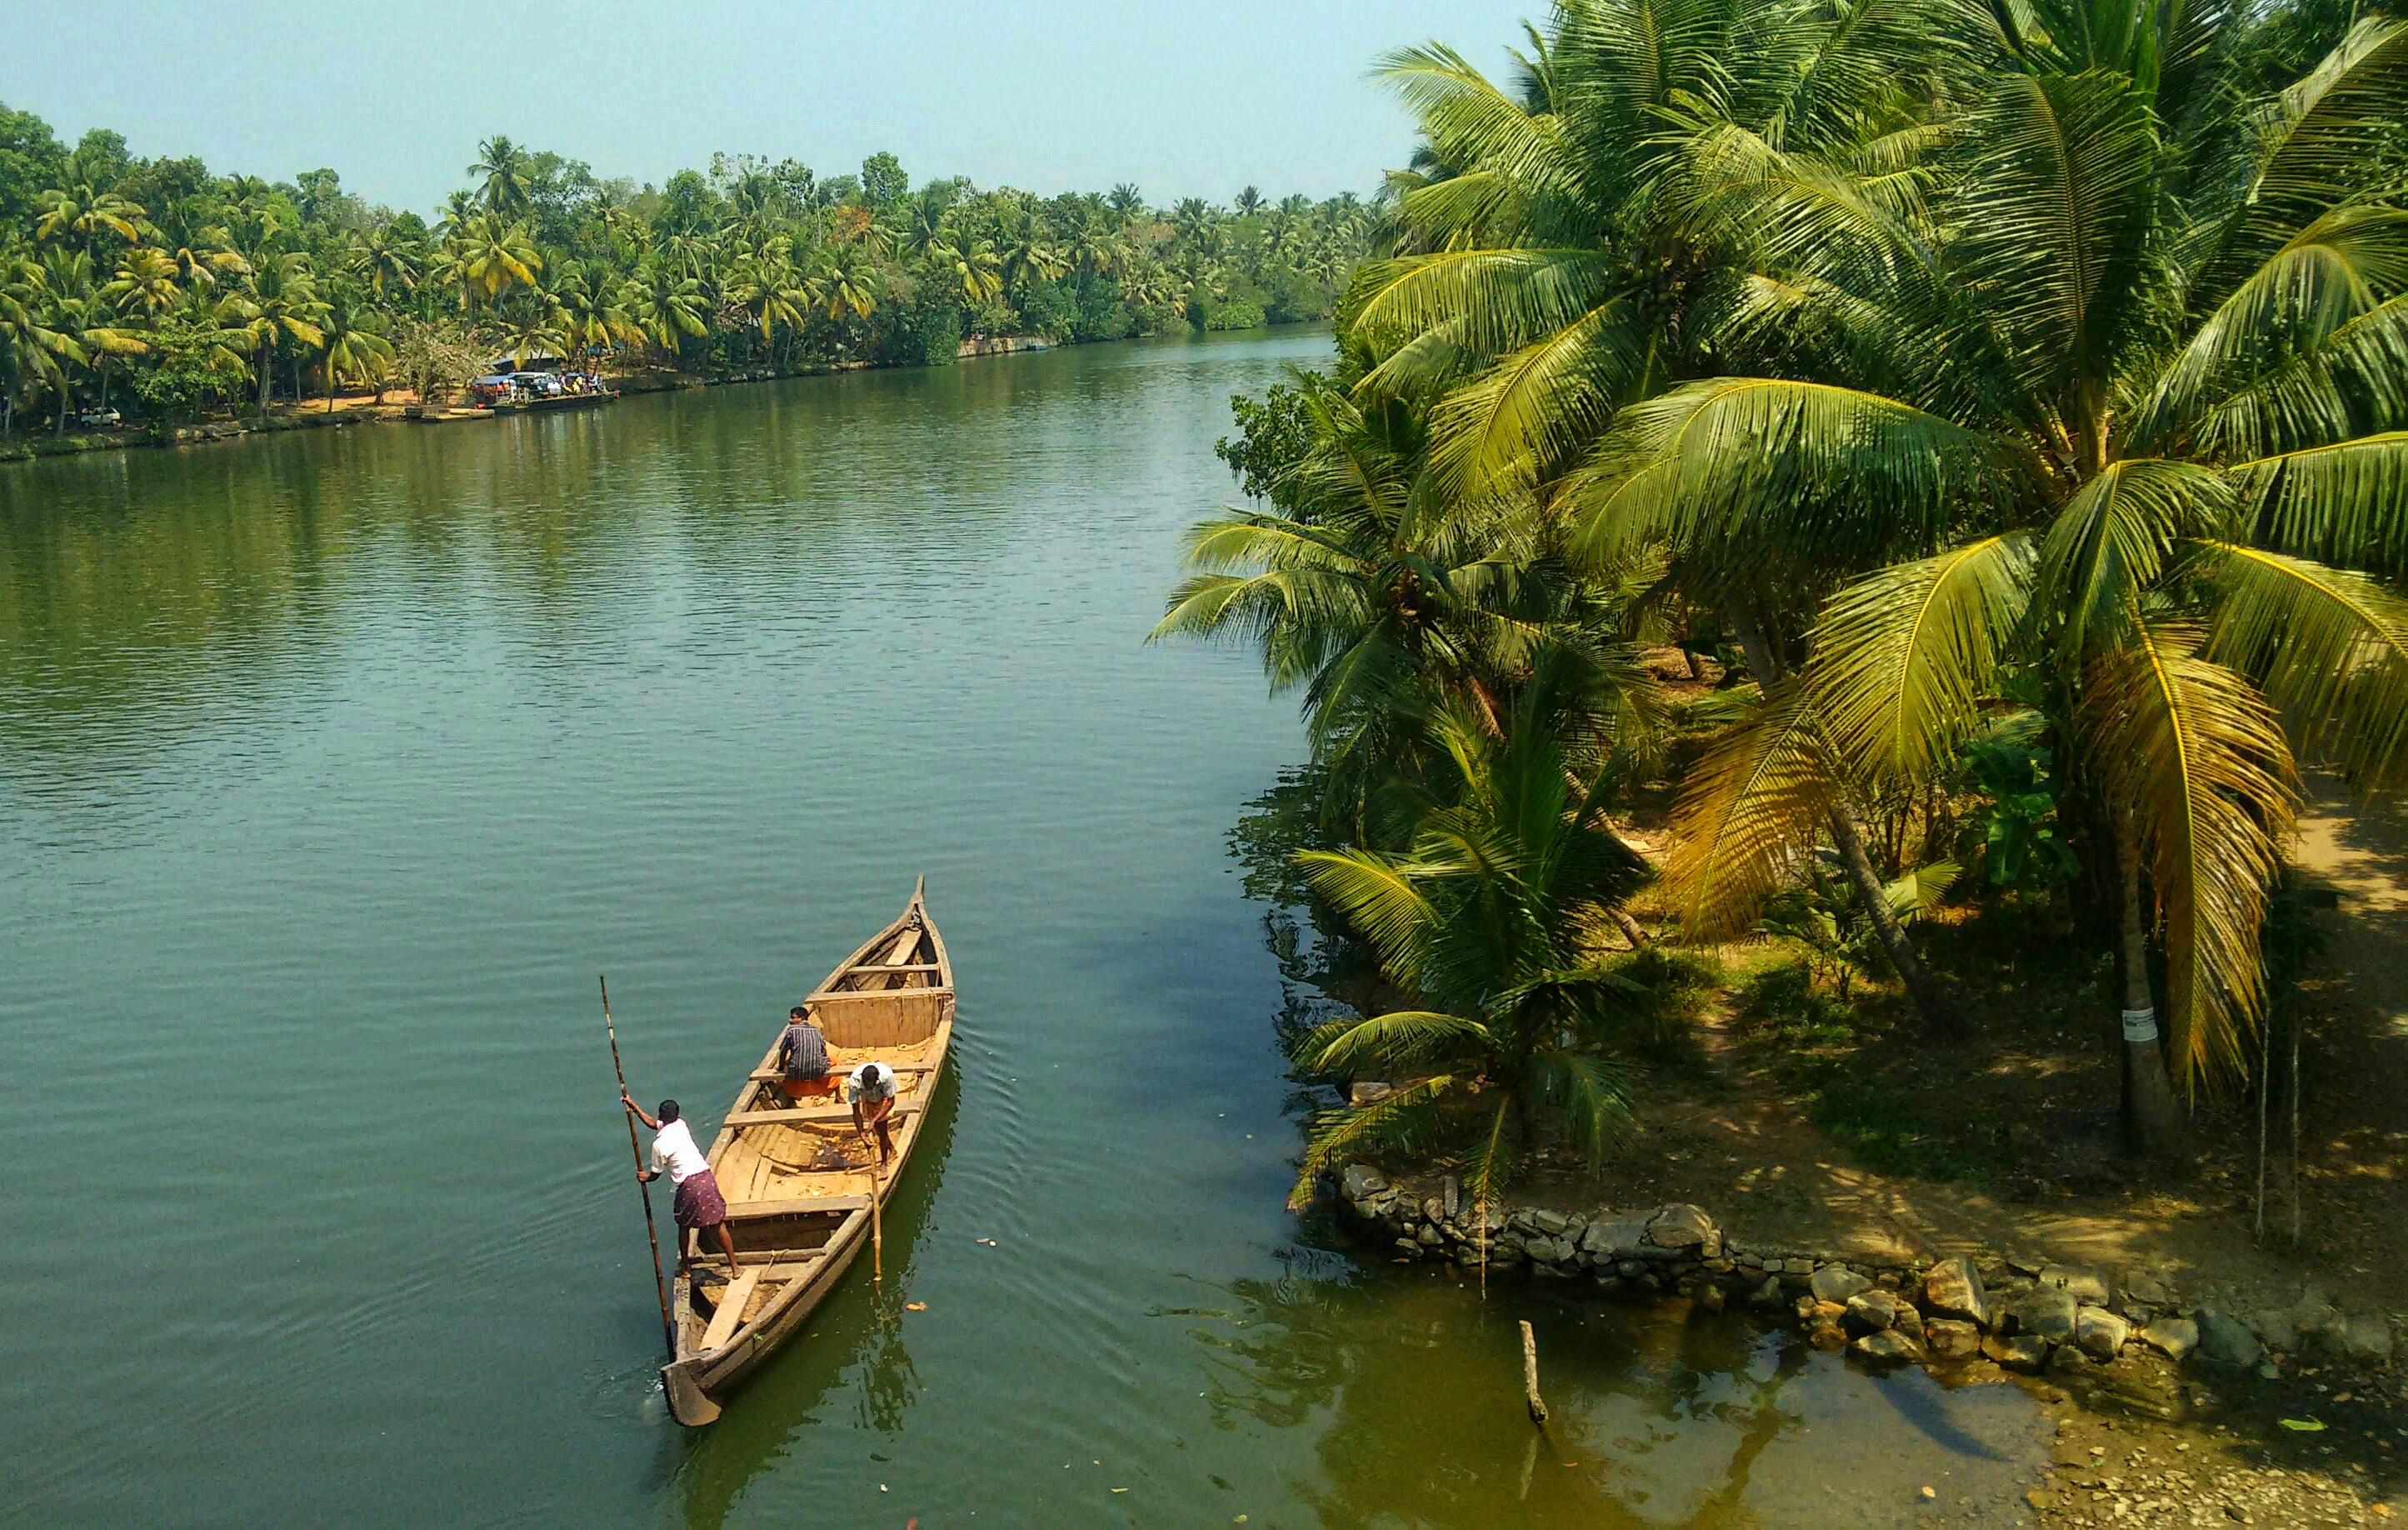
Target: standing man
697, 1204
870, 1091
802, 1056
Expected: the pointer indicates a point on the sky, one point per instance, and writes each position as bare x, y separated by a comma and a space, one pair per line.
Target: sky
1063, 96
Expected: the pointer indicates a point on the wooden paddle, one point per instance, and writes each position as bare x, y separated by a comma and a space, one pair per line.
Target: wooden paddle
651, 1233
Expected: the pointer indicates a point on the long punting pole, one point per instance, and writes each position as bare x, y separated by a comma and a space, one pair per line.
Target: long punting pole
651, 1233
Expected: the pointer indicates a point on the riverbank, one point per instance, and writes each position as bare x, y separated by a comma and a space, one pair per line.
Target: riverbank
2165, 1407
1822, 1133
30, 446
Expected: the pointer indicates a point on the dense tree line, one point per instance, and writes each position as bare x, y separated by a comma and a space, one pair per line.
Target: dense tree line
156, 285
2013, 395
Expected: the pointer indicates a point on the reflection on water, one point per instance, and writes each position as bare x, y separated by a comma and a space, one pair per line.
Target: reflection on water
1411, 1388
334, 766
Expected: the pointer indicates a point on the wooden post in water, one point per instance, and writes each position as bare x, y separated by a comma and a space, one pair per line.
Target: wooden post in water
651, 1232
1530, 1375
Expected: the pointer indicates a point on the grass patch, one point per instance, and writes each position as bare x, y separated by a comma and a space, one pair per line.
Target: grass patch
1827, 1055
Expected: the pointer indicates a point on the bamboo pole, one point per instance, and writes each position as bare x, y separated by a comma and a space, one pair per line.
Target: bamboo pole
1530, 1375
652, 1230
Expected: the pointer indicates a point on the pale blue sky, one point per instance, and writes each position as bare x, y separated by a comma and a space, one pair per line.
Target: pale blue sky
1071, 94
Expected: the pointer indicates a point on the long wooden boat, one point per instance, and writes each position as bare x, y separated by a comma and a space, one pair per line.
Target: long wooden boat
798, 1179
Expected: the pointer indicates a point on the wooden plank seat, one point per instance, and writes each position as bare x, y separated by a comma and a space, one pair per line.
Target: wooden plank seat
812, 1114
729, 1313
772, 1076
801, 1205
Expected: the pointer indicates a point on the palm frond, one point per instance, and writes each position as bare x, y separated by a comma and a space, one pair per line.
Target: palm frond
1406, 1119
1828, 474
2111, 540
1380, 898
2192, 750
1748, 812
1904, 659
1517, 421
2337, 269
1592, 1095
2315, 143
2329, 647
1401, 1037
1494, 1157
2345, 504
2057, 213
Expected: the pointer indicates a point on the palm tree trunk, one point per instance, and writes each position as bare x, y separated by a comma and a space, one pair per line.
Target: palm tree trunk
267, 366
1932, 1000
2155, 1125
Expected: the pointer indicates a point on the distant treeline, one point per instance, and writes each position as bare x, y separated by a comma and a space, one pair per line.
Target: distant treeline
156, 287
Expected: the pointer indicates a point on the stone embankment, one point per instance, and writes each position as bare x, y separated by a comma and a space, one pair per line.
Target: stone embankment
2123, 1336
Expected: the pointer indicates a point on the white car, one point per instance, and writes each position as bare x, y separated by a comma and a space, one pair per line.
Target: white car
95, 419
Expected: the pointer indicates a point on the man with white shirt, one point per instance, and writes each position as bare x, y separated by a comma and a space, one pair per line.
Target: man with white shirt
870, 1089
697, 1204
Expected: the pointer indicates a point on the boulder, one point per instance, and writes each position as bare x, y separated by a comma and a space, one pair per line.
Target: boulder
2279, 1329
1550, 1223
2086, 1288
2171, 1336
1769, 1297
2225, 1340
2141, 1286
1683, 1226
1953, 1289
2366, 1339
1711, 1299
1614, 1238
1433, 1210
1449, 1196
1953, 1338
1408, 1249
1828, 1335
1549, 1250
2025, 1353
2047, 1313
1871, 1310
1837, 1283
1888, 1347
2100, 1333
1368, 1091
1361, 1181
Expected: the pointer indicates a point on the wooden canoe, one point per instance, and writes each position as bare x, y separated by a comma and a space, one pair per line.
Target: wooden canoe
796, 1177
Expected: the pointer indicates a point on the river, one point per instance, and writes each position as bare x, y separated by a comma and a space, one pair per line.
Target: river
335, 765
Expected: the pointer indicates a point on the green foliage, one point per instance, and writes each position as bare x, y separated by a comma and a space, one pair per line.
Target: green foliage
1274, 434
748, 265
2011, 834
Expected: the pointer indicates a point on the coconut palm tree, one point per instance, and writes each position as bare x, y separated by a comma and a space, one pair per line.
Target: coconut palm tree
1250, 201
277, 306
1496, 924
492, 257
666, 304
388, 261
1125, 201
1561, 258
973, 270
504, 168
355, 347
145, 287
2130, 371
33, 346
85, 212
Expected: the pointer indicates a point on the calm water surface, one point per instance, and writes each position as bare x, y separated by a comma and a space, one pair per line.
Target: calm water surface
333, 767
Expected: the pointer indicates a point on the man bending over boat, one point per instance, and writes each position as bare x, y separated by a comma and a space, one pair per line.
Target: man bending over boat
697, 1204
802, 1056
870, 1091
